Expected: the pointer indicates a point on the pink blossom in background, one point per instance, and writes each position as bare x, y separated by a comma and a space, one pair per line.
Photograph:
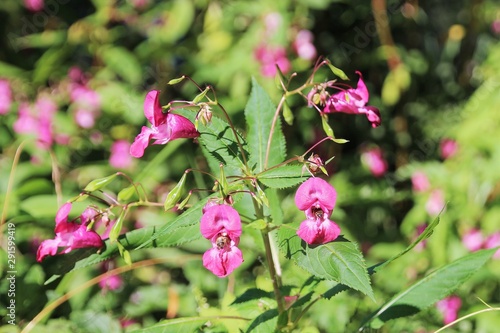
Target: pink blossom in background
473, 240
423, 243
435, 202
495, 27
448, 148
34, 5
373, 158
221, 224
37, 120
353, 101
120, 157
5, 96
316, 198
449, 308
271, 56
420, 182
492, 241
165, 127
272, 22
87, 104
303, 45
69, 235
110, 281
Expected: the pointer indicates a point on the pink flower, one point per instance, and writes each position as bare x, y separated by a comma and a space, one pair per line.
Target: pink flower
165, 127
269, 57
38, 121
317, 199
374, 160
473, 240
495, 27
221, 225
420, 182
87, 103
353, 101
449, 308
34, 5
303, 45
448, 148
110, 281
435, 202
272, 22
69, 235
492, 241
423, 243
5, 96
120, 157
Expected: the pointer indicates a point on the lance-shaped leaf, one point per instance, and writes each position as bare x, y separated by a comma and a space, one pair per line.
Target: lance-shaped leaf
431, 288
185, 325
339, 260
259, 114
99, 183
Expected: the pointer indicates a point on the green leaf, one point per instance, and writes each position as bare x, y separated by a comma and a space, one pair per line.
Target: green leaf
122, 62
99, 183
285, 176
339, 260
259, 114
219, 145
338, 72
253, 294
117, 227
264, 323
431, 288
40, 206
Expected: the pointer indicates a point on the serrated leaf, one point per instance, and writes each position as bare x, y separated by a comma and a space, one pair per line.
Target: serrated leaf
432, 288
339, 260
264, 323
178, 325
259, 114
219, 145
282, 177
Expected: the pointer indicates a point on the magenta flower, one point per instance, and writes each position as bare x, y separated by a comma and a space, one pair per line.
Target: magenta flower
269, 57
374, 160
448, 148
221, 225
5, 96
110, 281
34, 5
87, 104
449, 308
120, 157
492, 241
165, 127
420, 182
354, 101
69, 235
435, 202
473, 240
317, 199
303, 45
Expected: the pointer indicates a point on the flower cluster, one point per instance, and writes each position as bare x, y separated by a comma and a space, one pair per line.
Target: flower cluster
221, 224
165, 127
449, 308
317, 199
69, 235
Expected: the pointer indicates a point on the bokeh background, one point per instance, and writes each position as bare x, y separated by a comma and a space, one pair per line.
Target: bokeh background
73, 76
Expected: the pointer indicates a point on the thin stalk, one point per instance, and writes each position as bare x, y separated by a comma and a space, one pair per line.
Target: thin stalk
271, 132
56, 178
465, 317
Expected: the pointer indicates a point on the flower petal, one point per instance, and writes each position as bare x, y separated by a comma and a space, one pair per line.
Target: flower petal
47, 248
63, 212
152, 108
315, 190
318, 232
85, 238
141, 142
181, 127
373, 115
361, 89
220, 218
221, 262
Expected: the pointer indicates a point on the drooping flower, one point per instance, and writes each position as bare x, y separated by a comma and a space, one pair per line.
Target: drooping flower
69, 235
120, 157
165, 127
449, 308
420, 182
317, 199
5, 96
448, 148
374, 160
353, 101
221, 224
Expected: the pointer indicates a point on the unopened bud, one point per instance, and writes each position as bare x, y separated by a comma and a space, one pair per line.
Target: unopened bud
175, 194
